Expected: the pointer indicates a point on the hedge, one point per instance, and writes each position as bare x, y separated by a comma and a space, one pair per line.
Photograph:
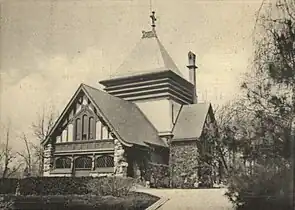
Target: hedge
62, 185
131, 202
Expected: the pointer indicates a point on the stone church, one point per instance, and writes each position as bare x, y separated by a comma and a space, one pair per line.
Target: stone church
147, 115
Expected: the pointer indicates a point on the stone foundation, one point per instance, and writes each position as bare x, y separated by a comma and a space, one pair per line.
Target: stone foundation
48, 159
120, 160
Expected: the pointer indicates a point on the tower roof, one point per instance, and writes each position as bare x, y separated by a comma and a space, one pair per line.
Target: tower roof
148, 56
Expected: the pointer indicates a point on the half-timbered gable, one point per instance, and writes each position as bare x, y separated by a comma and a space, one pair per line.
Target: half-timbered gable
83, 142
92, 135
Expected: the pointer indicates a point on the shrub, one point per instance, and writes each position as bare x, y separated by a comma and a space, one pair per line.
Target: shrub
159, 175
115, 186
265, 188
8, 185
54, 185
131, 202
6, 203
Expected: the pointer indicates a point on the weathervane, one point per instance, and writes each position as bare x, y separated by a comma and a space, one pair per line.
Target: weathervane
153, 17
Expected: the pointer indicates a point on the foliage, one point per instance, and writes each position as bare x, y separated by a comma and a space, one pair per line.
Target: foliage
132, 201
6, 203
267, 186
184, 162
54, 185
115, 186
258, 134
205, 176
159, 175
8, 185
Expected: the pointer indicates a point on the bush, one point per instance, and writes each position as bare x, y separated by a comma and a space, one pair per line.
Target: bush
8, 186
5, 203
159, 175
115, 186
86, 202
54, 185
264, 188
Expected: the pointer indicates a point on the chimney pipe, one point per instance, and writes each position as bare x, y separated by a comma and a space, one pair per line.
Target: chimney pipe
192, 73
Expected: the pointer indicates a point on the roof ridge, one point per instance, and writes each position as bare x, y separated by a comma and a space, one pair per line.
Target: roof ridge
164, 54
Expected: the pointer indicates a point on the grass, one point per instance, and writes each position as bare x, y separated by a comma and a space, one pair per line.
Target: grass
133, 201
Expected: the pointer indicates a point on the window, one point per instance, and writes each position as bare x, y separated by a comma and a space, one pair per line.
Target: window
104, 161
98, 130
63, 162
78, 129
105, 132
83, 162
91, 128
84, 127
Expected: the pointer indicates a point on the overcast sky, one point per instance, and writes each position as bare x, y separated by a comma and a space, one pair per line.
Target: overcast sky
48, 47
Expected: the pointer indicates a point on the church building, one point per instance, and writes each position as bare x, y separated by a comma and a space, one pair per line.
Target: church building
146, 119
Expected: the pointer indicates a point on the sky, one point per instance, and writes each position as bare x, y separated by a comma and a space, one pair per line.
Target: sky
49, 47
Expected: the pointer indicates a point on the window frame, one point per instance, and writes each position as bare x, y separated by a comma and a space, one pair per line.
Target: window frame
64, 158
105, 161
83, 133
83, 157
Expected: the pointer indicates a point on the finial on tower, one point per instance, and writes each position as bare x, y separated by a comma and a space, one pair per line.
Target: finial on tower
154, 19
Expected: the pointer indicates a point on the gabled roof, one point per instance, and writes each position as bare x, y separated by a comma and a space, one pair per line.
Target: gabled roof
124, 118
149, 55
190, 122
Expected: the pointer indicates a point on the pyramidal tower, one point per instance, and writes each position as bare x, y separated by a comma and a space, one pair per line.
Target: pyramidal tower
149, 78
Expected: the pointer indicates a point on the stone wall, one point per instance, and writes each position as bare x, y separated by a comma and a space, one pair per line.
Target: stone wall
48, 159
183, 164
120, 159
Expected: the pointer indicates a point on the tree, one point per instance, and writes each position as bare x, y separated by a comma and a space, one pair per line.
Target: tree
33, 154
27, 156
271, 88
270, 106
41, 130
7, 156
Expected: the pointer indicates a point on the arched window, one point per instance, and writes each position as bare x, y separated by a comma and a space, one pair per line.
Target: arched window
78, 129
84, 127
91, 128
83, 162
104, 161
63, 162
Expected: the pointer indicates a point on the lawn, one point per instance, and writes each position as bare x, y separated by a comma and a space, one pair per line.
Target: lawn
132, 201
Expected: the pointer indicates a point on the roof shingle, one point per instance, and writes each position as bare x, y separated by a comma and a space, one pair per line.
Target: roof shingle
149, 55
126, 118
190, 123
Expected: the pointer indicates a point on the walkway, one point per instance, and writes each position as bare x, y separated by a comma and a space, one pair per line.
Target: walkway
194, 199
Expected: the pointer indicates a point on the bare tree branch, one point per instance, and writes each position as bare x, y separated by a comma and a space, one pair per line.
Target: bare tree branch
7, 156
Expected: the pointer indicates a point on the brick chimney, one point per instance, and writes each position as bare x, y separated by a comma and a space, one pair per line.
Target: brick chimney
192, 73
